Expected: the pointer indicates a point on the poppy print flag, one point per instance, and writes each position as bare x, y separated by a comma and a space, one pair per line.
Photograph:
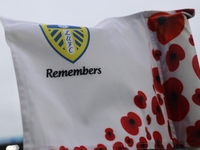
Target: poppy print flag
128, 83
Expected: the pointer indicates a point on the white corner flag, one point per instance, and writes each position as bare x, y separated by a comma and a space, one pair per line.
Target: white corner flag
129, 83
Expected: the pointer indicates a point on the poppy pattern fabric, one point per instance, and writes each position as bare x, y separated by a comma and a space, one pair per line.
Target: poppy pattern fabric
174, 58
138, 87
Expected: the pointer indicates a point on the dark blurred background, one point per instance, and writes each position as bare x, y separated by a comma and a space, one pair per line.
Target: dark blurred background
11, 144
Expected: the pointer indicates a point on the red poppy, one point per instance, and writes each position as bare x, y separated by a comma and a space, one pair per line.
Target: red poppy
191, 40
129, 141
148, 118
196, 97
142, 144
148, 135
119, 146
187, 12
100, 147
110, 136
193, 134
173, 56
160, 99
169, 146
167, 26
158, 140
63, 148
177, 144
156, 80
195, 64
157, 111
140, 100
131, 123
156, 54
80, 148
175, 101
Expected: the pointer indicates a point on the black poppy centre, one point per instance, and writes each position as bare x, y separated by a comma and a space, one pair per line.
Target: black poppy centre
157, 54
131, 121
128, 141
198, 133
174, 96
173, 56
158, 109
141, 98
148, 119
162, 20
157, 78
158, 143
142, 145
198, 96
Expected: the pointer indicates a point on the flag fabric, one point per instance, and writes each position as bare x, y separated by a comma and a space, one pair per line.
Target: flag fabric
130, 82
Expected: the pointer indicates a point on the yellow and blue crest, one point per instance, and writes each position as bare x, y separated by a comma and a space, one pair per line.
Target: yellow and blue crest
70, 42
